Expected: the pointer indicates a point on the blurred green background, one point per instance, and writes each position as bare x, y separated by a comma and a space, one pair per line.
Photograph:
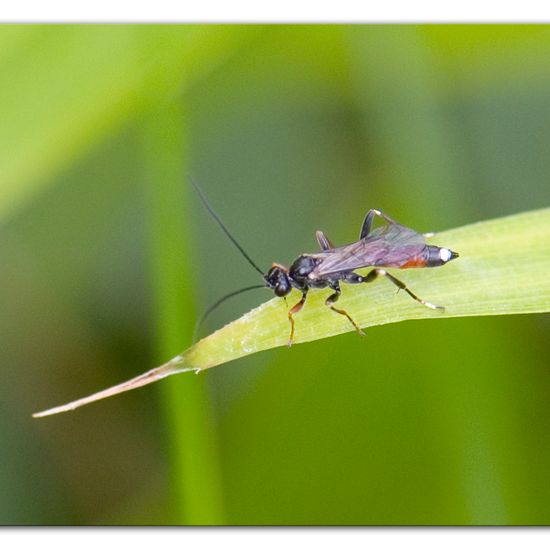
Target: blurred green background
108, 256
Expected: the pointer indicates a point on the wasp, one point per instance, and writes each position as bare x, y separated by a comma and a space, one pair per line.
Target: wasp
391, 245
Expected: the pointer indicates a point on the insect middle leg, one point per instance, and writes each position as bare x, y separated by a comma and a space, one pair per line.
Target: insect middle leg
334, 298
371, 276
295, 309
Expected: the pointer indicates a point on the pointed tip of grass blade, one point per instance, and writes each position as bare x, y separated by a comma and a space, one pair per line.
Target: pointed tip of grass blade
173, 366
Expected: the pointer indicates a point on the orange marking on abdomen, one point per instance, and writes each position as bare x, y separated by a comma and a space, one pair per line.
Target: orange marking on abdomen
417, 261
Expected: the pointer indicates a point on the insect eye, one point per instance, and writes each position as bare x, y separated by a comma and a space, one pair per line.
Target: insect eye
279, 291
283, 287
273, 277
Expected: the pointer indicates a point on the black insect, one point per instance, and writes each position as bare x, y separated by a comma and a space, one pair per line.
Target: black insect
391, 245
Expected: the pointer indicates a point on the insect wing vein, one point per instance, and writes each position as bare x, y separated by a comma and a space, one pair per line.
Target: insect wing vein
388, 246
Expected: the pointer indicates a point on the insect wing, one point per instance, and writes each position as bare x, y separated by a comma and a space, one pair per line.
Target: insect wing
392, 245
401, 244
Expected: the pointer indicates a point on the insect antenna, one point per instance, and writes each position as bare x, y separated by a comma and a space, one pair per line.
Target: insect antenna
214, 306
223, 227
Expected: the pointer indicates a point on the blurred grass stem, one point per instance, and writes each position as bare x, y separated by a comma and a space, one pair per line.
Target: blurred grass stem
191, 430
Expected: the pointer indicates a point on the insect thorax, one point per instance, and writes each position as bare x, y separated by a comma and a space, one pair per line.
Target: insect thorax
301, 268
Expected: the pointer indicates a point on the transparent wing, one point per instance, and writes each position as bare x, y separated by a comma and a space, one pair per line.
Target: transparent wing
392, 245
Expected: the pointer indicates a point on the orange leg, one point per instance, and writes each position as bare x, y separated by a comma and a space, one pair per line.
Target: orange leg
295, 309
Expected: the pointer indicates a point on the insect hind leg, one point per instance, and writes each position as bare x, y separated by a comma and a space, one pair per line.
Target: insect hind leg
369, 220
334, 298
323, 240
372, 275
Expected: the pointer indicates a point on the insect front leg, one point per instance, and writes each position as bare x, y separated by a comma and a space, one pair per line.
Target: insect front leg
372, 275
334, 298
295, 309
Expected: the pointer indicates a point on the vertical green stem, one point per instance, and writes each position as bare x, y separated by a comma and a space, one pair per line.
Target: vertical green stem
191, 431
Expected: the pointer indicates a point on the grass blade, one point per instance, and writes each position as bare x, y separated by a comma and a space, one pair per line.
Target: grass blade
504, 268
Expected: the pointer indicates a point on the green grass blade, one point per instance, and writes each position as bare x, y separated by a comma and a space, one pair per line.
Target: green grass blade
504, 268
